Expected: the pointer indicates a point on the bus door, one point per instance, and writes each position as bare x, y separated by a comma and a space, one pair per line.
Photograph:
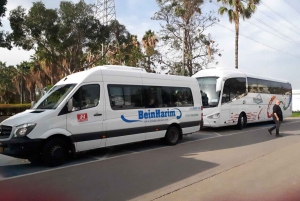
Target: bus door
225, 104
233, 93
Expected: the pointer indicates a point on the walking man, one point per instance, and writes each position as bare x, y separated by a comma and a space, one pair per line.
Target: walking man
277, 117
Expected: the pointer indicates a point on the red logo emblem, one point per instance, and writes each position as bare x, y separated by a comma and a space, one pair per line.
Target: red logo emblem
82, 117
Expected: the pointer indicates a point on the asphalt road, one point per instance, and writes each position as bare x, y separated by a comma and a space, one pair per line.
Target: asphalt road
143, 171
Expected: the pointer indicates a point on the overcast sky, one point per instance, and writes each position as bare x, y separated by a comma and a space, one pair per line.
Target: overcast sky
268, 44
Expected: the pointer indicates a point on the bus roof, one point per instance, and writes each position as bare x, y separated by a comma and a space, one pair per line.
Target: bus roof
232, 72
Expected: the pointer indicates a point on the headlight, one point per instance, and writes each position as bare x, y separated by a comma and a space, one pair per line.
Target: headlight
214, 116
24, 129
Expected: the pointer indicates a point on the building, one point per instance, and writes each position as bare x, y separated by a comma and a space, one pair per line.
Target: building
296, 100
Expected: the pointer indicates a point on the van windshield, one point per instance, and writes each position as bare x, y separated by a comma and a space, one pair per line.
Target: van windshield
210, 97
54, 97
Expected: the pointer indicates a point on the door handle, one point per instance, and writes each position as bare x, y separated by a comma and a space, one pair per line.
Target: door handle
244, 102
97, 114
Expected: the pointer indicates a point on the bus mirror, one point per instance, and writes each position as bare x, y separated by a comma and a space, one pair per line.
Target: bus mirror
70, 105
219, 84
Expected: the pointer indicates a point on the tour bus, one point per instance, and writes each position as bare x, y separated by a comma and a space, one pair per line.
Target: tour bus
101, 107
234, 97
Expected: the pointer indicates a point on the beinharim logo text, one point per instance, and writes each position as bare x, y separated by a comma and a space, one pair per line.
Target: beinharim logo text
156, 114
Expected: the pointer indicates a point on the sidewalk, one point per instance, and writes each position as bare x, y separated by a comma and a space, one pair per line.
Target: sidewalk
271, 177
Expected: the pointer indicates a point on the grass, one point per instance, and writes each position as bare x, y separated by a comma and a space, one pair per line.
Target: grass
295, 114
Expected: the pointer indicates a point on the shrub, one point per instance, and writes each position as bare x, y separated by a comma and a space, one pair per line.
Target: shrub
11, 109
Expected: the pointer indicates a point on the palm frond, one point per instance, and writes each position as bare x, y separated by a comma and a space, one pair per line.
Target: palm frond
222, 10
231, 15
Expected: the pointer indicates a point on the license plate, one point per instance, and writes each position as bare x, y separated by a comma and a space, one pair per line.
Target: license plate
1, 150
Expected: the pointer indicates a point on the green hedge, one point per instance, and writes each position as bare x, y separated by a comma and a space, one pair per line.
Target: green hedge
11, 109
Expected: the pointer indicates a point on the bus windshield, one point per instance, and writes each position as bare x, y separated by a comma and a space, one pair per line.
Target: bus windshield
54, 97
210, 97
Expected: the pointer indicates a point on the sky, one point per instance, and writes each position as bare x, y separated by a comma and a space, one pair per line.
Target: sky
268, 44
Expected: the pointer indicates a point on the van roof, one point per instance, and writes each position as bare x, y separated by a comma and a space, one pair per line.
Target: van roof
110, 69
119, 68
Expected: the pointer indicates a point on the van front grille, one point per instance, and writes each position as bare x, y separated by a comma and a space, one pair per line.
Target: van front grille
5, 131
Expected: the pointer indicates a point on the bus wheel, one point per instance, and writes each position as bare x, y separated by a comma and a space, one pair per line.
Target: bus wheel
54, 152
172, 136
242, 121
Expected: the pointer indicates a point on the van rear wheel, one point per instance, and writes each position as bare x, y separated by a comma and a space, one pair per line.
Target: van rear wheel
54, 152
172, 136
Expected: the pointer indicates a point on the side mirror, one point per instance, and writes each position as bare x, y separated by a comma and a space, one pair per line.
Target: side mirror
32, 104
70, 105
219, 84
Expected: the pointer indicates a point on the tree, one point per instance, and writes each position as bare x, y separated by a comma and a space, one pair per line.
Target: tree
183, 35
149, 42
64, 38
3, 41
238, 8
124, 48
8, 91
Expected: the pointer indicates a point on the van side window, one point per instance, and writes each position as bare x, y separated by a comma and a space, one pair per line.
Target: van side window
152, 97
86, 96
123, 97
181, 97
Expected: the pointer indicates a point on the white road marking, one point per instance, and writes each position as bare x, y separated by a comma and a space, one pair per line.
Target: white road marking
217, 134
68, 166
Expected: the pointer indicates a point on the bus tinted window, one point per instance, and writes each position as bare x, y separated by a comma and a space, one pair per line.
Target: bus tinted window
234, 88
263, 86
287, 88
276, 88
252, 85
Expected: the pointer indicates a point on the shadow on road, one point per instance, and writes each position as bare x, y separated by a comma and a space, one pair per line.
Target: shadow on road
107, 176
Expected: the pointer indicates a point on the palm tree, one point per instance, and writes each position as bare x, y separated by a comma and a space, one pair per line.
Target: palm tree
149, 42
238, 8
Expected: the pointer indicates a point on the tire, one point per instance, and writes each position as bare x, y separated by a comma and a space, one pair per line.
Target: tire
54, 152
242, 121
172, 136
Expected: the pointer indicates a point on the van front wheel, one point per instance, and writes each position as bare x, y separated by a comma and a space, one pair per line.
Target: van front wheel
172, 136
54, 152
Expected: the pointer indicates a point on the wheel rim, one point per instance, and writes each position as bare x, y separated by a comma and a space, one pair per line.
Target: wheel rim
173, 136
57, 152
242, 121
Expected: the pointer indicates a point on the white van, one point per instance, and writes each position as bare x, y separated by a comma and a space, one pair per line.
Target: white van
102, 107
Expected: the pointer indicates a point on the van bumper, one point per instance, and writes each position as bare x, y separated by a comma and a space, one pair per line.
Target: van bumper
20, 147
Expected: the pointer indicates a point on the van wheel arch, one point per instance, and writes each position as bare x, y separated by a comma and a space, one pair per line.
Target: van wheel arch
66, 139
60, 144
173, 130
